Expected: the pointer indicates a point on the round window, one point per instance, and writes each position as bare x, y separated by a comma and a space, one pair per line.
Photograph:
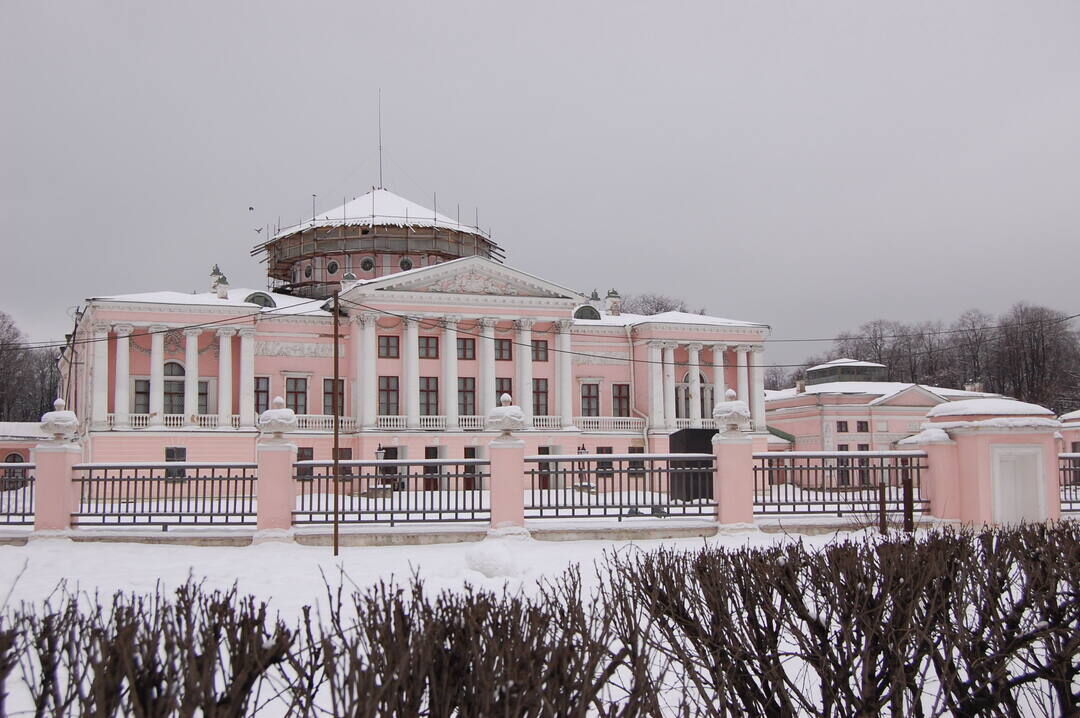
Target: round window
307, 271
405, 263
367, 264
331, 267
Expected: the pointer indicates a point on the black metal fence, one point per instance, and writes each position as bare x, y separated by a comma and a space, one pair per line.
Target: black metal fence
619, 486
842, 483
16, 494
393, 491
176, 493
1069, 476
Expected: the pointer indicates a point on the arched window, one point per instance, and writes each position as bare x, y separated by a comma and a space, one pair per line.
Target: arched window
174, 388
13, 473
262, 299
586, 311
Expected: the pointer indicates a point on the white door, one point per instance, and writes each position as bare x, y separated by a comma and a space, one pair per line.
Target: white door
1016, 478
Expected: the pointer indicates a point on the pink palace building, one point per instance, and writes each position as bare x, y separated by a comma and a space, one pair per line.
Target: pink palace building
433, 328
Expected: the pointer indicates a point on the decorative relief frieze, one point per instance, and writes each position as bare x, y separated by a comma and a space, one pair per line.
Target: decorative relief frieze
594, 357
294, 349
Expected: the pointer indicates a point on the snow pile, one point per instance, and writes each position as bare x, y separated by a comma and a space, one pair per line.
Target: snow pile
929, 435
1070, 417
497, 555
989, 407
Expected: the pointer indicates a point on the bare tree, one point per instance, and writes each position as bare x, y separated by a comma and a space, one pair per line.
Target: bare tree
649, 304
28, 377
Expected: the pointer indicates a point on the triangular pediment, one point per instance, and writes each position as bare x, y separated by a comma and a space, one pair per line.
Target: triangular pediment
914, 395
473, 276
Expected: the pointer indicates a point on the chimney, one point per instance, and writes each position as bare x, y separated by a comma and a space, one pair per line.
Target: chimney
976, 386
800, 386
613, 303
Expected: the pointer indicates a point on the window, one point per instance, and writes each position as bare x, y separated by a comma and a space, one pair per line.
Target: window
539, 350
843, 474
142, 396
389, 346
540, 397
388, 396
841, 428
544, 477
466, 348
344, 453
331, 267
636, 466
175, 453
468, 479
431, 471
263, 300
586, 311
429, 347
503, 385
174, 390
13, 473
863, 427
604, 468
864, 473
296, 394
204, 396
590, 399
305, 453
429, 396
328, 397
620, 400
262, 394
504, 350
466, 396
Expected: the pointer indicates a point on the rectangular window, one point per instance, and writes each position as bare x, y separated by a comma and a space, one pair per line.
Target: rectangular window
503, 385
388, 396
604, 468
864, 474
540, 350
843, 473
863, 427
540, 397
620, 400
504, 350
328, 397
466, 348
590, 399
343, 454
429, 396
468, 479
466, 396
429, 347
841, 427
637, 466
174, 397
175, 453
544, 477
142, 396
389, 346
296, 394
305, 453
204, 396
431, 471
262, 394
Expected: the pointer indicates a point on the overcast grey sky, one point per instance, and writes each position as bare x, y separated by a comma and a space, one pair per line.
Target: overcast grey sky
812, 165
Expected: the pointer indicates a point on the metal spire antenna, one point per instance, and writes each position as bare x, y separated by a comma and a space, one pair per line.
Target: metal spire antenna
380, 139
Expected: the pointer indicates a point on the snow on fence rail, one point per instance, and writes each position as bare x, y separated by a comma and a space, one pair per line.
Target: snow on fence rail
165, 494
16, 493
619, 486
1069, 475
839, 482
393, 491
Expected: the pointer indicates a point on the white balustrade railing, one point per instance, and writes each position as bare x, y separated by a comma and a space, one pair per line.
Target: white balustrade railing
234, 421
471, 423
175, 421
206, 421
324, 422
687, 423
609, 423
547, 422
390, 422
430, 423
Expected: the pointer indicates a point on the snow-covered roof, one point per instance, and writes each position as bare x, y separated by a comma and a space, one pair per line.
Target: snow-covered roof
21, 430
884, 390
1071, 416
977, 407
845, 362
380, 207
623, 320
284, 303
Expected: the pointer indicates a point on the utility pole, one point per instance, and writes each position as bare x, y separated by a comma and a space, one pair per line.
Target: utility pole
336, 408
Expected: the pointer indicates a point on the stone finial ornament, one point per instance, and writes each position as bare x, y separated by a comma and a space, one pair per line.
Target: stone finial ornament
61, 424
506, 417
277, 420
731, 415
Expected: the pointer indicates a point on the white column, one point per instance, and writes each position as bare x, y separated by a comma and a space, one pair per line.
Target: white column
356, 353
564, 369
695, 384
669, 384
757, 388
450, 372
122, 390
486, 380
656, 386
247, 378
369, 395
411, 365
224, 397
742, 379
719, 376
191, 376
157, 375
100, 388
524, 378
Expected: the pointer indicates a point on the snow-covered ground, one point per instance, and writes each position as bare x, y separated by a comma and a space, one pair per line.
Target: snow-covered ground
290, 576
